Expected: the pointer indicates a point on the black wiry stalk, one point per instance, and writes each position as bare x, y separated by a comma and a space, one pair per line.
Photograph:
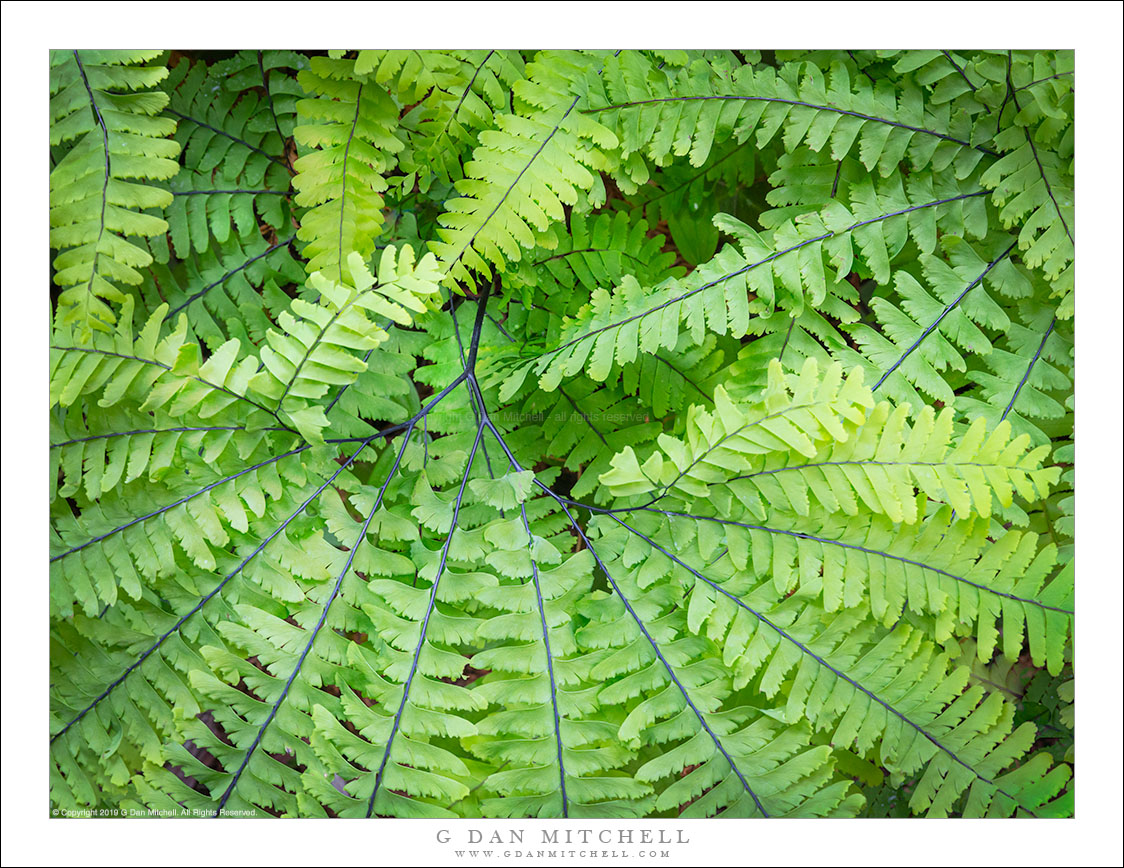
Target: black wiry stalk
1008, 92
583, 250
316, 629
787, 337
585, 418
959, 69
198, 295
940, 317
861, 67
683, 377
519, 177
386, 432
701, 173
457, 328
476, 404
1042, 80
549, 662
1029, 368
862, 462
344, 387
562, 501
468, 377
366, 357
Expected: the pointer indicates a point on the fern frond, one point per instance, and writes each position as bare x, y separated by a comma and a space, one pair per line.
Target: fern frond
1033, 181
781, 494
151, 371
958, 755
687, 112
274, 71
233, 160
818, 439
556, 150
918, 351
104, 111
381, 392
596, 251
315, 350
947, 75
350, 126
452, 96
1024, 380
616, 327
1033, 193
219, 291
731, 761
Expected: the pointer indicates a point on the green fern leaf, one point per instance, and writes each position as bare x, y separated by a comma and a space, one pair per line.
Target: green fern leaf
103, 114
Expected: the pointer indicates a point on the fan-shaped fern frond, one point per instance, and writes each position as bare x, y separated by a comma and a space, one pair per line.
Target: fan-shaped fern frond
713, 462
959, 756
